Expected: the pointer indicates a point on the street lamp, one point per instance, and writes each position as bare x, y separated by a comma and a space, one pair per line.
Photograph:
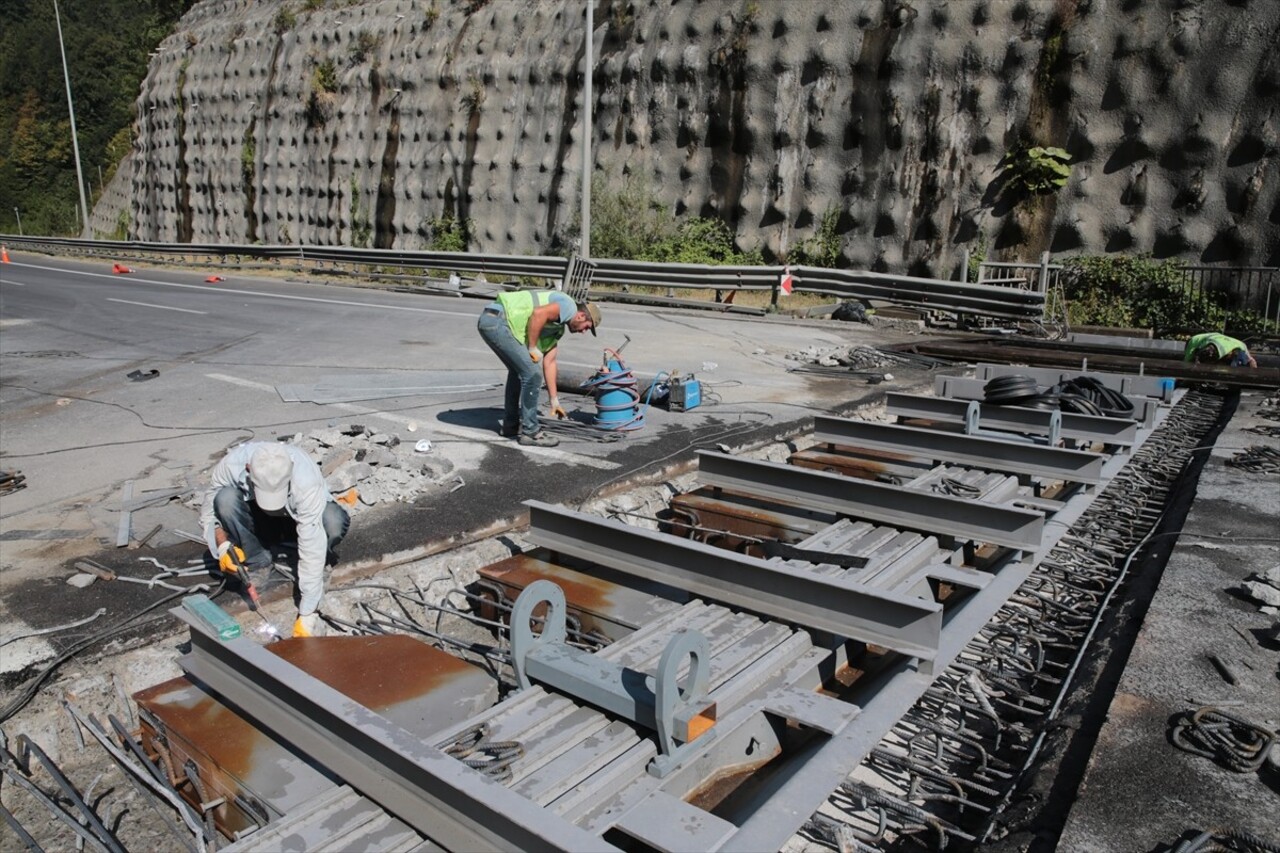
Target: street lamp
19, 218
75, 144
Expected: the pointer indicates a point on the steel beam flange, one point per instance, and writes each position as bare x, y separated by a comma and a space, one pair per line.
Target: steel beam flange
991, 454
437, 795
838, 605
903, 508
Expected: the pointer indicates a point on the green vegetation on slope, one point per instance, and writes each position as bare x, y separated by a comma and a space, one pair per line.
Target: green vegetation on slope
107, 42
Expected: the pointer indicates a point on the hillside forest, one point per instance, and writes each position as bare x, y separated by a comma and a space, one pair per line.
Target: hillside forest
107, 47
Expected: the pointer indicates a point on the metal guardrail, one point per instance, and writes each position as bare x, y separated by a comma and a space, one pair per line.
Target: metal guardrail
910, 291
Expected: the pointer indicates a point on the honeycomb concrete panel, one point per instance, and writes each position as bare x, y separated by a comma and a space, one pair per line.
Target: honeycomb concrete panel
767, 114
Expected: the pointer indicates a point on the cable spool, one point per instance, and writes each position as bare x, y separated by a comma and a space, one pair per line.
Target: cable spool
617, 396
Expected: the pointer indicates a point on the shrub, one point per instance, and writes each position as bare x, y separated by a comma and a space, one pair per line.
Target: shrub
1135, 292
284, 20
823, 248
449, 234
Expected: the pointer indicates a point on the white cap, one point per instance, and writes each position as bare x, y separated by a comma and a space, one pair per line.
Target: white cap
269, 470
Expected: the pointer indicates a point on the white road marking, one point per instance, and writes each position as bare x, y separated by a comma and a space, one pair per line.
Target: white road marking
373, 305
236, 380
447, 429
14, 283
162, 307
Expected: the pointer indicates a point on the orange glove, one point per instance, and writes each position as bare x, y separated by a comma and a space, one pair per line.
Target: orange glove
535, 355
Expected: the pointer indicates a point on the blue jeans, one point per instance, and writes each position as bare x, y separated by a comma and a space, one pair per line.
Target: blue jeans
245, 525
524, 377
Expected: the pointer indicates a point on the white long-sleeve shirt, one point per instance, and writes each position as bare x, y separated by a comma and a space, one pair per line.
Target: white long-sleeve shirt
308, 496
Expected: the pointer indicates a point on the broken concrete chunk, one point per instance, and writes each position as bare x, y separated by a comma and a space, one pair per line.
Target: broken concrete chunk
384, 438
348, 475
354, 429
81, 580
335, 459
1272, 576
381, 457
327, 437
1264, 592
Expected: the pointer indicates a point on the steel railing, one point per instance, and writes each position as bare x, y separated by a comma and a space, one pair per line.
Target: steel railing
911, 291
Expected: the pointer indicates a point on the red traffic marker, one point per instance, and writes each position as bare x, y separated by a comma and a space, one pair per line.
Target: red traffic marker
120, 269
214, 279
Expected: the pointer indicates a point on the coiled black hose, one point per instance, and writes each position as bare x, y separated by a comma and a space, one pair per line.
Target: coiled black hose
1083, 395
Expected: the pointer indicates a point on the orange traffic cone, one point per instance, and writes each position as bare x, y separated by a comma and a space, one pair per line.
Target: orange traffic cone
213, 279
4, 254
120, 269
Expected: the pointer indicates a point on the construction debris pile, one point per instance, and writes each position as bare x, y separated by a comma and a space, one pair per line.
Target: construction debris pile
364, 468
856, 357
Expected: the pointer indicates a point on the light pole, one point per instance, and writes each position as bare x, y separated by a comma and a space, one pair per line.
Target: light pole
586, 137
19, 218
75, 144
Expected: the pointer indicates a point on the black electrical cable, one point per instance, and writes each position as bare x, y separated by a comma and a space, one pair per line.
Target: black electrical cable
33, 686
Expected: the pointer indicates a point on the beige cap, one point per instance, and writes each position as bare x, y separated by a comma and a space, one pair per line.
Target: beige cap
270, 468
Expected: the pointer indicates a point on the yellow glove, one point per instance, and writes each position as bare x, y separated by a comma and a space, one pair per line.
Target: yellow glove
230, 558
309, 626
558, 410
535, 355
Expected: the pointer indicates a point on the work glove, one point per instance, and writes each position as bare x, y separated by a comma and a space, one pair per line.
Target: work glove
310, 625
230, 558
535, 355
557, 409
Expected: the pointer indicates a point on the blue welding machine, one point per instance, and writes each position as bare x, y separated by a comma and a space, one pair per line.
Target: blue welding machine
685, 394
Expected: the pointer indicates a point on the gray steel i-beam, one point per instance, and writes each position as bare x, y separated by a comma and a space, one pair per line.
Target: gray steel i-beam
843, 607
990, 454
1090, 428
904, 508
434, 793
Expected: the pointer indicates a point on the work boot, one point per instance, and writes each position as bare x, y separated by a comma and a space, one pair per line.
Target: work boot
310, 625
539, 439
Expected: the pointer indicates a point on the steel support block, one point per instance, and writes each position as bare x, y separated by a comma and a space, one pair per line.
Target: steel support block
1013, 418
439, 796
843, 607
911, 510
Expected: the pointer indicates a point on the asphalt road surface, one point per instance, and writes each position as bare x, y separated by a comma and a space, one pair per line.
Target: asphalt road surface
79, 428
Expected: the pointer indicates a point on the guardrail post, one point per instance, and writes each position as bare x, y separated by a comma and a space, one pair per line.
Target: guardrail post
1044, 272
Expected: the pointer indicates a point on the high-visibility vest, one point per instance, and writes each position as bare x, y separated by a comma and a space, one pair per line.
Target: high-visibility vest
1224, 344
518, 306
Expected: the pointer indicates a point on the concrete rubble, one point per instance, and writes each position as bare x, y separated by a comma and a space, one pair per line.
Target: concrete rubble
378, 466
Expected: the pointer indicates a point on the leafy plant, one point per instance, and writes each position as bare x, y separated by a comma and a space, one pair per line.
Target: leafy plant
976, 257
449, 234
1035, 170
823, 248
325, 77
365, 44
474, 96
361, 228
285, 20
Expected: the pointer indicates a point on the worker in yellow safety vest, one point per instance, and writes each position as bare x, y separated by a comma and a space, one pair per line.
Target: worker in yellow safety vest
1215, 348
523, 328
